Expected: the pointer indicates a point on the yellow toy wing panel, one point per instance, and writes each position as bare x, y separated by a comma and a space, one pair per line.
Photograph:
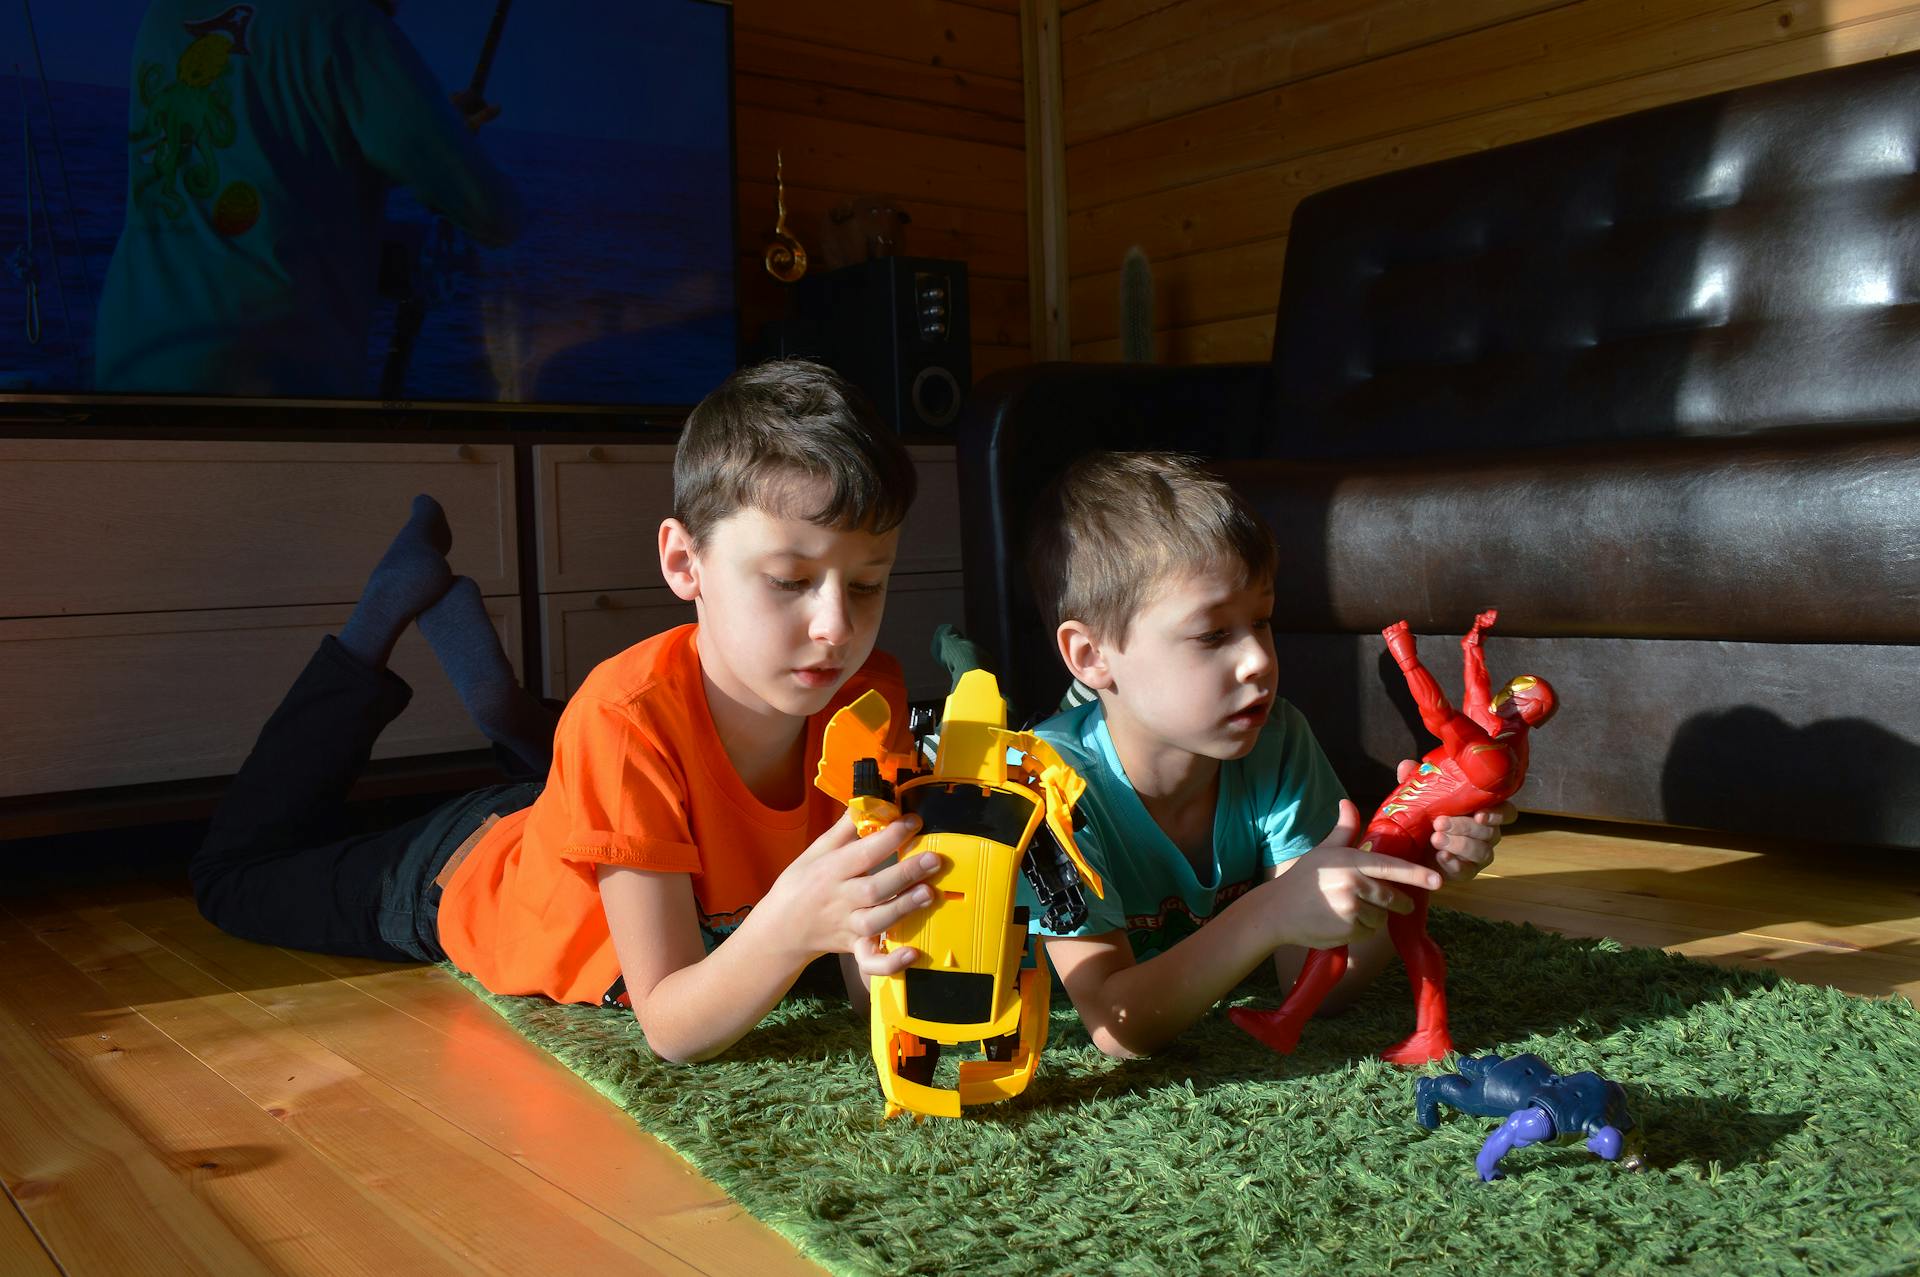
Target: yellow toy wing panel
857, 731
1062, 787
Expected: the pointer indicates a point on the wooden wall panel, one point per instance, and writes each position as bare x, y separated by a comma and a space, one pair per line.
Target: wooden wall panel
851, 97
1140, 60
1196, 127
920, 100
992, 242
941, 34
1242, 279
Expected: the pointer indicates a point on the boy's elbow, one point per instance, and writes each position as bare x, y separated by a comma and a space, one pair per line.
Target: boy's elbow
1121, 1036
671, 1048
1117, 1030
668, 1054
674, 1053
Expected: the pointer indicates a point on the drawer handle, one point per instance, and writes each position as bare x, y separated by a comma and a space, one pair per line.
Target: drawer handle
596, 453
602, 601
464, 452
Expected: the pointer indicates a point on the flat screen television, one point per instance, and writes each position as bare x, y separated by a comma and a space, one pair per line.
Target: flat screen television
198, 203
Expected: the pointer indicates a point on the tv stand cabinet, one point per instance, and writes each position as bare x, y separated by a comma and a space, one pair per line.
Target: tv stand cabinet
158, 596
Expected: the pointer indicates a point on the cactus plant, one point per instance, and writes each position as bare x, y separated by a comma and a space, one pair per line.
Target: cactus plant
1136, 308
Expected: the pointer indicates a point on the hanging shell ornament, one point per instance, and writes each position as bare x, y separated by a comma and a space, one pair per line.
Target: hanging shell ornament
786, 259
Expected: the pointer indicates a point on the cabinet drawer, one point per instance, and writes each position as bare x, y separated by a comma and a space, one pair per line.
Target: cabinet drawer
600, 508
109, 526
598, 512
122, 700
578, 631
581, 630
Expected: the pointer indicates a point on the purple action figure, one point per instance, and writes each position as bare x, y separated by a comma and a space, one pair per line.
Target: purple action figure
1537, 1103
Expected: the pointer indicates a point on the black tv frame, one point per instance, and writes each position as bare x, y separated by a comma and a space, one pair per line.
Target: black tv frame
108, 416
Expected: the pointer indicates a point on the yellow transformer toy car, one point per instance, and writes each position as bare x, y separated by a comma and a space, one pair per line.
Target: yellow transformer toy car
996, 804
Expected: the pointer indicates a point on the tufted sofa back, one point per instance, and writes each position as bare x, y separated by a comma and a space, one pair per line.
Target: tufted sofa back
1770, 243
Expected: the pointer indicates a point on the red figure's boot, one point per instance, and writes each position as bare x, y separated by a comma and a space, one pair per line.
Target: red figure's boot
1427, 969
1280, 1028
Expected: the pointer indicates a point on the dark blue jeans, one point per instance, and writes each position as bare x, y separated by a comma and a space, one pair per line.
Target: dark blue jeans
282, 863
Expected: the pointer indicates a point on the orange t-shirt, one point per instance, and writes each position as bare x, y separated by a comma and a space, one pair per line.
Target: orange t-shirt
639, 779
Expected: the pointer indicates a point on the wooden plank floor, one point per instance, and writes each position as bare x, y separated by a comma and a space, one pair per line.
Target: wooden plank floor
176, 1101
1842, 916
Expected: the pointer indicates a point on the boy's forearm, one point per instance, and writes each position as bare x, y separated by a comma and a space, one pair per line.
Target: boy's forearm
1140, 1008
700, 1010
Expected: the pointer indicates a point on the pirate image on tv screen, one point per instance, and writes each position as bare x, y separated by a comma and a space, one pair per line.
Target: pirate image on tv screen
358, 199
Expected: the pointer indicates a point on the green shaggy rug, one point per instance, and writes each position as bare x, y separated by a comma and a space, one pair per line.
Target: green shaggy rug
1782, 1126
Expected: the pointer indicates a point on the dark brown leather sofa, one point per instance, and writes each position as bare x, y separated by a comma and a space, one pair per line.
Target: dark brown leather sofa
1651, 387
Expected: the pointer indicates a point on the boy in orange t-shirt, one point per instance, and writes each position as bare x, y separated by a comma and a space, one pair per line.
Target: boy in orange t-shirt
676, 843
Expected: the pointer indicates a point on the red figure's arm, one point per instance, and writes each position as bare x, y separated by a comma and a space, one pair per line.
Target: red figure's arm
1479, 689
1435, 711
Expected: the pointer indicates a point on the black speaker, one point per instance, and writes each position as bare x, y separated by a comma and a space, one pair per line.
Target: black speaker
897, 327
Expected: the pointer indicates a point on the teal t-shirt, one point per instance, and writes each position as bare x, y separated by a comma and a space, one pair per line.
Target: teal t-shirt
1278, 802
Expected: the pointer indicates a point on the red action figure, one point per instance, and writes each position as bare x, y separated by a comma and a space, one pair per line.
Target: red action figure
1480, 763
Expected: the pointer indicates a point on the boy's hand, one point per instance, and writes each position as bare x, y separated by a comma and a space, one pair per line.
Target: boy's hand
1336, 894
1463, 845
837, 893
872, 960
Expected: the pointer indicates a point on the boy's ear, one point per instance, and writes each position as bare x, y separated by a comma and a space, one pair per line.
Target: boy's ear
679, 564
1082, 654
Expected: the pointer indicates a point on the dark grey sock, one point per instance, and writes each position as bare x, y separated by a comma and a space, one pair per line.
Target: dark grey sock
409, 578
463, 638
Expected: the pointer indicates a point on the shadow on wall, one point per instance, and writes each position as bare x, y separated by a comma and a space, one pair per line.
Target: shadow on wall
1748, 764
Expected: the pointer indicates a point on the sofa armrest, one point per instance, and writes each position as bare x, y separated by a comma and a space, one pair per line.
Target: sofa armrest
1021, 427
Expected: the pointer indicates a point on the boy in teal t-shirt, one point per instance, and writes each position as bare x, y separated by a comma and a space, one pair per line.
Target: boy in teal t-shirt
1275, 804
1210, 810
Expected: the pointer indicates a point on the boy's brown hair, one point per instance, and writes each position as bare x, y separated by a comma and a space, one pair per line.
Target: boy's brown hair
786, 420
1114, 525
